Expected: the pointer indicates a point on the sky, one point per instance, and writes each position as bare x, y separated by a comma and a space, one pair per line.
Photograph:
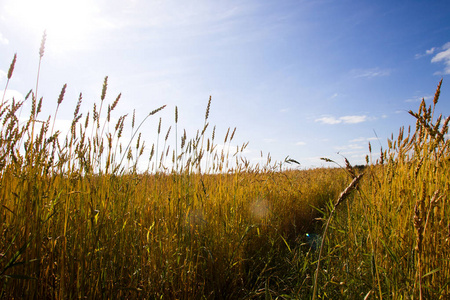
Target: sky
304, 79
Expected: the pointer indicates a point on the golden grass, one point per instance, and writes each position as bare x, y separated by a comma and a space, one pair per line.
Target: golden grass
78, 219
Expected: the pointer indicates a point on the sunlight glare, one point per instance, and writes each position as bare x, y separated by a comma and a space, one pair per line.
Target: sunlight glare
68, 23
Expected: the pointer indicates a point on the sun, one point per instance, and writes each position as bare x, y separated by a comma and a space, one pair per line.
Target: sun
68, 23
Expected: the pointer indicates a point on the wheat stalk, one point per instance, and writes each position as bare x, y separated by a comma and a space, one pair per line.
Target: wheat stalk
341, 198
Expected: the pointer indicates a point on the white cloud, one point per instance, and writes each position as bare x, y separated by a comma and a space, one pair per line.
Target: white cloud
353, 119
443, 56
18, 96
329, 120
300, 143
370, 73
431, 51
344, 119
3, 40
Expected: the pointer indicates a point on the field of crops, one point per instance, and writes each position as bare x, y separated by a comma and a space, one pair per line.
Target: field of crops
80, 220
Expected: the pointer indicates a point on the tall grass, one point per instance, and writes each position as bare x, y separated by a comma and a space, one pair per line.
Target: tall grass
80, 220
392, 240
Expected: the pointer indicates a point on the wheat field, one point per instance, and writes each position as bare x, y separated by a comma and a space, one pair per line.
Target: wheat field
79, 219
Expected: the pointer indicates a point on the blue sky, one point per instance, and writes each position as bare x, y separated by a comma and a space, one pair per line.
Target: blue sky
304, 79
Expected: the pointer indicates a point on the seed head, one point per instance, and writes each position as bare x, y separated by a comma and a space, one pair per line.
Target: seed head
42, 48
105, 86
438, 91
11, 67
207, 109
176, 114
61, 95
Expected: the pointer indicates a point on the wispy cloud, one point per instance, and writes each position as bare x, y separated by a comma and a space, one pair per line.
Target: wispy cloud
333, 96
300, 143
443, 56
427, 52
370, 73
356, 149
418, 98
431, 51
195, 20
345, 119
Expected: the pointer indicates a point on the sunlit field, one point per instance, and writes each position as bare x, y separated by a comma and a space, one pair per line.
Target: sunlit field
81, 219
